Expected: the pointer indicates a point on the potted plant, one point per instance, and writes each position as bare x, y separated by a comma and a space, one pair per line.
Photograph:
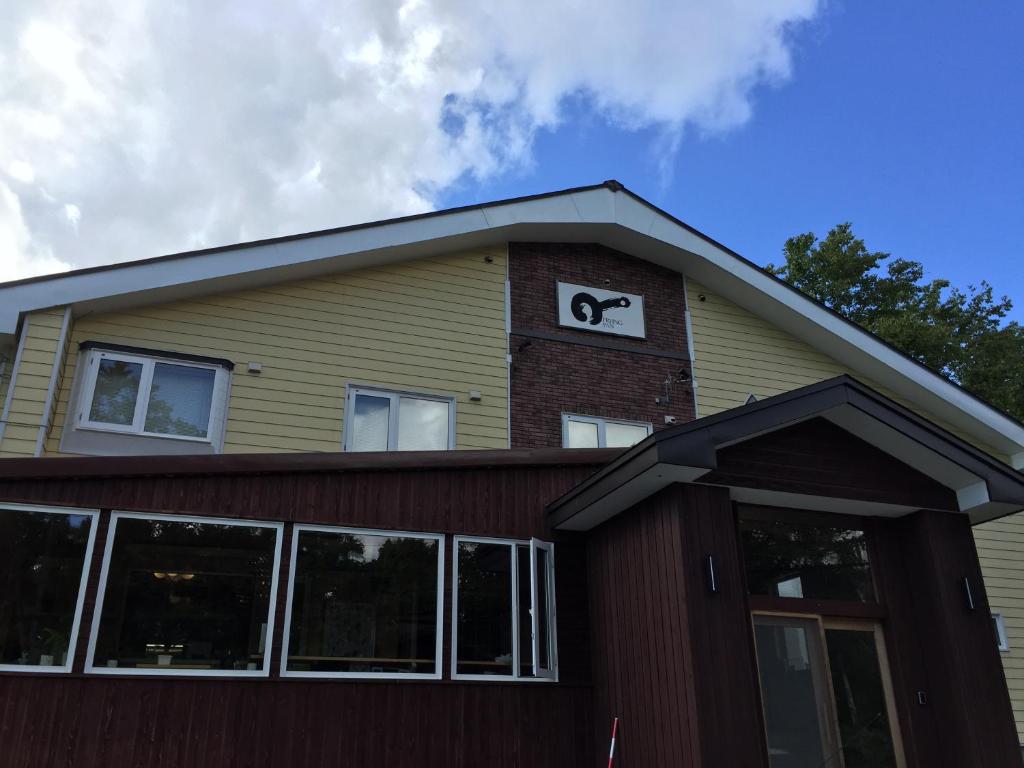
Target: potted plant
56, 642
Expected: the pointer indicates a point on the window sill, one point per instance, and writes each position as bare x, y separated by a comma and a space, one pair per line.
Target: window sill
93, 442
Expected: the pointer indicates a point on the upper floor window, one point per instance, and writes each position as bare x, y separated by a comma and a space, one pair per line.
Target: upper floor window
44, 561
378, 420
595, 432
144, 394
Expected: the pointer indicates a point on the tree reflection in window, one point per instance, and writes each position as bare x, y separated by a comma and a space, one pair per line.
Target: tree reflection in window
42, 556
786, 559
116, 392
364, 603
186, 593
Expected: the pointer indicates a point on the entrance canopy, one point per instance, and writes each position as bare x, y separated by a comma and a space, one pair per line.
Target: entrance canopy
836, 446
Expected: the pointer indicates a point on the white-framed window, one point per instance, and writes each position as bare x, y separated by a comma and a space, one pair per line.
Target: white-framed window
152, 396
595, 432
385, 420
364, 604
1000, 626
183, 595
503, 609
45, 554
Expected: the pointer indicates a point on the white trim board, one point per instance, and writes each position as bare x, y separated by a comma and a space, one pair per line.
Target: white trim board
606, 214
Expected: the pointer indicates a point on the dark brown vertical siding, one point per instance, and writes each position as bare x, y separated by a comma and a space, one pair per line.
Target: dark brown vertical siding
672, 660
91, 721
642, 662
721, 637
85, 722
946, 650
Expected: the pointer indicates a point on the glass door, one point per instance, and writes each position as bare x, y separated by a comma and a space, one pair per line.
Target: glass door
826, 693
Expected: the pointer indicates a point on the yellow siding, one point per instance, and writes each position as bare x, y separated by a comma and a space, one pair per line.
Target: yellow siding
738, 354
1001, 551
32, 382
435, 326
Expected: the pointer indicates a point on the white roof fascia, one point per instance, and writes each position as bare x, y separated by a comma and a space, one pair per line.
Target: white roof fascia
273, 261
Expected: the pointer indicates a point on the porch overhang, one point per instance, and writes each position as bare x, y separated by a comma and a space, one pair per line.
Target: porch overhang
979, 485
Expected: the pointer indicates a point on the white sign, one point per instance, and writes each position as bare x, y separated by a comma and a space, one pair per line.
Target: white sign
597, 309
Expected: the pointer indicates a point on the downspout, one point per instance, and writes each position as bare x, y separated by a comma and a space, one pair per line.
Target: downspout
508, 347
689, 346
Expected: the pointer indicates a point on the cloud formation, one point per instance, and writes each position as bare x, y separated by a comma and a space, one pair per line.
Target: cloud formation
128, 130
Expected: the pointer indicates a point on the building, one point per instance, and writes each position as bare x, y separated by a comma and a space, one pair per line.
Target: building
457, 489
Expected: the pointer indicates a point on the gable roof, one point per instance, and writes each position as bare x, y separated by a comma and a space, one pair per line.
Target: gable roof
979, 486
605, 213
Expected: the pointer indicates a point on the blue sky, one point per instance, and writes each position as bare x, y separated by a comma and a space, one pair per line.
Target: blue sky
187, 125
906, 118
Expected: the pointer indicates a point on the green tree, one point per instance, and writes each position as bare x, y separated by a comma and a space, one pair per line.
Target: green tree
962, 334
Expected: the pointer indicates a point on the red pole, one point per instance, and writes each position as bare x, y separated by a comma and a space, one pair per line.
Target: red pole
611, 751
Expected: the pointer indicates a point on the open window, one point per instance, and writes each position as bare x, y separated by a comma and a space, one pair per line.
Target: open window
503, 611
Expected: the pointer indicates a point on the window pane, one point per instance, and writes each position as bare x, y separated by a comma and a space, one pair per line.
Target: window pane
422, 424
623, 435
485, 609
814, 561
41, 560
793, 692
117, 389
544, 611
523, 602
860, 699
364, 603
186, 594
582, 434
370, 423
179, 400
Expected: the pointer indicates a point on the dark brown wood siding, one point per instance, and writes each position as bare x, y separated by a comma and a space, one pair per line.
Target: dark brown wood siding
169, 723
941, 648
86, 720
672, 660
818, 458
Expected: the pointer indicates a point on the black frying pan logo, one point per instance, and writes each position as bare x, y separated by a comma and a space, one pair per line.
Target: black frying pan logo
597, 308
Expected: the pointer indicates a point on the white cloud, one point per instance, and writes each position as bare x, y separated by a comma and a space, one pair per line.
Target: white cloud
133, 129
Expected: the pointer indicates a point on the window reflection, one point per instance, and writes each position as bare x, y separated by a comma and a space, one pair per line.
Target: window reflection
364, 603
186, 594
785, 559
860, 698
116, 392
42, 557
485, 609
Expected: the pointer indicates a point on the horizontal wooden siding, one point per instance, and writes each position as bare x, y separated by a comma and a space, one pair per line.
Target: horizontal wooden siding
435, 326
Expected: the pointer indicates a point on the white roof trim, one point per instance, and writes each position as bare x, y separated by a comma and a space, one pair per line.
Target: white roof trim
605, 214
